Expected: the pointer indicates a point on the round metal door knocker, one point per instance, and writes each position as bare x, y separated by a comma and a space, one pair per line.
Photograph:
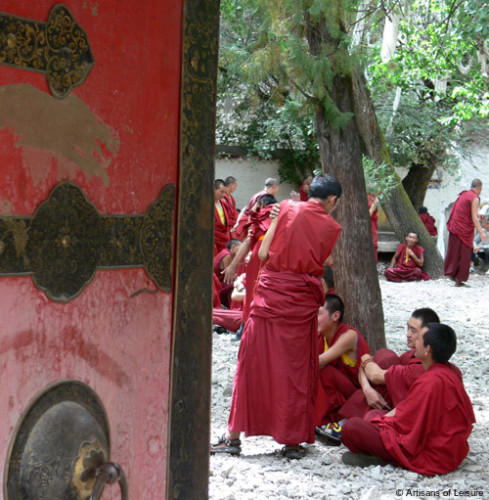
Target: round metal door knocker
60, 447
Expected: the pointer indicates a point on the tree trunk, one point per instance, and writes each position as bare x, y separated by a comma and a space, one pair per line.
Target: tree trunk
416, 182
355, 270
397, 206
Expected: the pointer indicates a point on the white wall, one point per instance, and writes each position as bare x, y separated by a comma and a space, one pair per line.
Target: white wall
251, 174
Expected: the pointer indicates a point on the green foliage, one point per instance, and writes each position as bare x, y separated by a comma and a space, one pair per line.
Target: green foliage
379, 177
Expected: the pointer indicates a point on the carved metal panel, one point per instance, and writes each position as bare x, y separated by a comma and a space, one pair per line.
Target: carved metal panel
59, 443
59, 48
67, 240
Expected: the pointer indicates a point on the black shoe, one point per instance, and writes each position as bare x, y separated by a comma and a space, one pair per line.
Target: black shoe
293, 452
361, 460
219, 329
223, 445
239, 334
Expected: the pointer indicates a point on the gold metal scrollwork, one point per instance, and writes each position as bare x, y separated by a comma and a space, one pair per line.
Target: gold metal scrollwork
59, 48
67, 240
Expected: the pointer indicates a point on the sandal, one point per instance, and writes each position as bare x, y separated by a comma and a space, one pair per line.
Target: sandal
224, 445
293, 452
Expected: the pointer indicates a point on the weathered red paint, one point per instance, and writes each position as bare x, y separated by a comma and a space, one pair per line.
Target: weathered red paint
118, 345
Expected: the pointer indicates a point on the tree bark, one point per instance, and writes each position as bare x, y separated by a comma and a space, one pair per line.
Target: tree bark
355, 269
397, 206
416, 182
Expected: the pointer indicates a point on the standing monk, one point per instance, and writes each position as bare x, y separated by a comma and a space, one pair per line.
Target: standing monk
277, 370
231, 186
461, 223
221, 217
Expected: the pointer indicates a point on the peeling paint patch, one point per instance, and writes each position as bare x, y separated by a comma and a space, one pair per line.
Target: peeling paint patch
65, 129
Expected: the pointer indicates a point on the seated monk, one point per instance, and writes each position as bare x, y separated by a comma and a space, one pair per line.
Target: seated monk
409, 258
385, 378
221, 262
341, 347
229, 320
428, 220
427, 432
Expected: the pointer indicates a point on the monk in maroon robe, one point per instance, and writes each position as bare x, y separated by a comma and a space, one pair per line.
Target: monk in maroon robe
407, 262
428, 431
304, 189
221, 217
428, 220
341, 347
464, 217
386, 378
258, 222
231, 186
277, 368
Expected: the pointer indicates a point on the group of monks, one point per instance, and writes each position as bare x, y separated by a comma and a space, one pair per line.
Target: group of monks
302, 372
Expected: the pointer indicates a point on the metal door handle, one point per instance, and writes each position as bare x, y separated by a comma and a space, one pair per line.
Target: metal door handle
109, 473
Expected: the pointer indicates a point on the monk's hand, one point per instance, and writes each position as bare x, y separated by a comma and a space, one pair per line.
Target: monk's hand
366, 356
275, 211
483, 237
375, 399
229, 274
294, 195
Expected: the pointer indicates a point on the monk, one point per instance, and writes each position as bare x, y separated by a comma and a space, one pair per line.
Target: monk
427, 432
386, 378
231, 186
271, 188
304, 189
461, 223
258, 223
428, 220
222, 261
373, 210
277, 368
407, 262
221, 217
341, 347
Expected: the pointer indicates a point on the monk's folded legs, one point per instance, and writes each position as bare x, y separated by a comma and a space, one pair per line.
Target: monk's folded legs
360, 436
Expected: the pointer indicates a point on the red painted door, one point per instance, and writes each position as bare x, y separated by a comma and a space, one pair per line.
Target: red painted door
104, 121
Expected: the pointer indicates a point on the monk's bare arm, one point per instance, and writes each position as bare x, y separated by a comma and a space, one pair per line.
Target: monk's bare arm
474, 211
374, 372
267, 240
345, 344
373, 397
230, 271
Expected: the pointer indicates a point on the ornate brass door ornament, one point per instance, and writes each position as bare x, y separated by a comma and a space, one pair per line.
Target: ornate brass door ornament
60, 447
59, 48
67, 240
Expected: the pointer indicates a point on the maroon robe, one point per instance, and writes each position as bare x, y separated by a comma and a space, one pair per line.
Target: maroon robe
303, 196
337, 381
406, 271
221, 231
460, 242
429, 222
230, 319
232, 210
259, 222
216, 288
429, 431
277, 368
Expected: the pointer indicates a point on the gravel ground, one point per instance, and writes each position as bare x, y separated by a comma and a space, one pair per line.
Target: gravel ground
262, 473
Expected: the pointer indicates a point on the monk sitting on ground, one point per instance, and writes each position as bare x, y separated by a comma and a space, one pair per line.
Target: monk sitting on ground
341, 347
409, 258
386, 378
428, 431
